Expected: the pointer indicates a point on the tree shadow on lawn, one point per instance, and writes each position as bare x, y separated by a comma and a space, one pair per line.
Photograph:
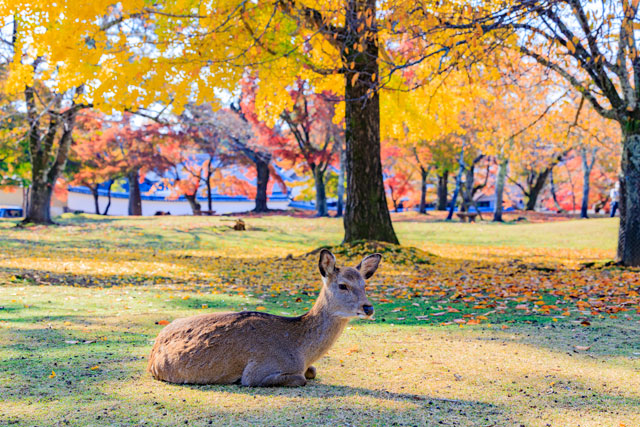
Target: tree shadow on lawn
41, 276
36, 353
604, 337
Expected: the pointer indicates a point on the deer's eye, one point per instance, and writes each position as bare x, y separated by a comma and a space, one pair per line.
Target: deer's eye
342, 287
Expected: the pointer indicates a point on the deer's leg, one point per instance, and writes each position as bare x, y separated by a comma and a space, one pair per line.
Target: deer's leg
283, 380
310, 373
273, 375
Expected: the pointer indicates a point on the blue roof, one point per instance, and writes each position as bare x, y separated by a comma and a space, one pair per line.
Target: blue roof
276, 196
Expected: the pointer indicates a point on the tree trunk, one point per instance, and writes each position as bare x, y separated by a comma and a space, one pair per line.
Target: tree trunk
467, 190
423, 190
343, 164
536, 189
458, 184
587, 166
502, 174
96, 198
135, 197
442, 190
47, 161
629, 231
554, 195
25, 199
321, 195
584, 209
367, 214
209, 195
262, 168
39, 208
193, 202
106, 209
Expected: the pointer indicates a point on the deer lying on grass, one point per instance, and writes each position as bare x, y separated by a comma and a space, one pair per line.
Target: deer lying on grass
259, 349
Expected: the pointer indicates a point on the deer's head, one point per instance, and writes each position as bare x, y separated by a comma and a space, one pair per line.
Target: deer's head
344, 288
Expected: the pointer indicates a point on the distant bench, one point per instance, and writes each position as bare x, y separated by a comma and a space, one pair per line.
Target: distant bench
207, 213
467, 216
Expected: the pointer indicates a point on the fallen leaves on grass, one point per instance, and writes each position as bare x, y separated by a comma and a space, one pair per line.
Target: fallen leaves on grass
450, 285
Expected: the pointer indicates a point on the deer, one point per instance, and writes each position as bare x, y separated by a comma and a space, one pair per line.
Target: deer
258, 349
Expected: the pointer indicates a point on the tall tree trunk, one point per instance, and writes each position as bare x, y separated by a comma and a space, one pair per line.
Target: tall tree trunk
262, 168
135, 197
47, 161
458, 184
629, 231
209, 195
96, 198
584, 208
443, 181
39, 207
467, 189
423, 190
25, 198
587, 166
343, 165
367, 215
554, 195
321, 195
500, 179
536, 189
106, 209
193, 202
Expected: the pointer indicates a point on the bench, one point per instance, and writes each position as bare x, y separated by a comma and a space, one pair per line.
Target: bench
467, 216
207, 213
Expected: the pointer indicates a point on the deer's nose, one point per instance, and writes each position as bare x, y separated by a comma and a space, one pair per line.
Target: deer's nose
368, 309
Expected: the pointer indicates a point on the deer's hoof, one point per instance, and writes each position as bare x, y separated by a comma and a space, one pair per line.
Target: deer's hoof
310, 373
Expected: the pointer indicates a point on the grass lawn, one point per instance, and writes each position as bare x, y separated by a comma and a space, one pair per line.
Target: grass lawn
498, 324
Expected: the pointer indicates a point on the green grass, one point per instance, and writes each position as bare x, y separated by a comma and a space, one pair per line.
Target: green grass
575, 234
82, 300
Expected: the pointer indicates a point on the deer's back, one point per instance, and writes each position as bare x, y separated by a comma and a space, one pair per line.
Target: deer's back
215, 348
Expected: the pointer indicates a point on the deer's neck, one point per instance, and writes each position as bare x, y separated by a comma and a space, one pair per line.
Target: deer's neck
320, 329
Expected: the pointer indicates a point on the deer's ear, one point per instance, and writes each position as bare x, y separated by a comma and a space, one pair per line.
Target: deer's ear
369, 265
327, 263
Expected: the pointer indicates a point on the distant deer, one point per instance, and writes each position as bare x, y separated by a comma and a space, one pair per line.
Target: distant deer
259, 349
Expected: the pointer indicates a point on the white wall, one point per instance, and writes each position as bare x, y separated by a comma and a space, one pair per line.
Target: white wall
120, 207
14, 196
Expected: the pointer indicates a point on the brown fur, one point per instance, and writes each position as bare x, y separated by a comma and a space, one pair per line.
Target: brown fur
260, 349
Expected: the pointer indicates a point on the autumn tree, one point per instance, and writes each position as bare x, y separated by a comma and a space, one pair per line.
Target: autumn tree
593, 47
398, 174
200, 153
15, 165
95, 160
136, 151
314, 137
243, 139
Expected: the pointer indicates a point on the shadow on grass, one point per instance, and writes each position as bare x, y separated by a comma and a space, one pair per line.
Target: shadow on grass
608, 337
90, 377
